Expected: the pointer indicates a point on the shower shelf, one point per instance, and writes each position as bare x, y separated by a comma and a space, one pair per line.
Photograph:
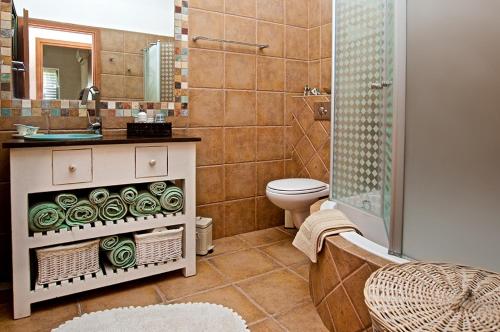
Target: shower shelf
105, 228
310, 96
107, 276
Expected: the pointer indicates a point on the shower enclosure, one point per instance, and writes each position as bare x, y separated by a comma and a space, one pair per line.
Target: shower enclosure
159, 69
362, 124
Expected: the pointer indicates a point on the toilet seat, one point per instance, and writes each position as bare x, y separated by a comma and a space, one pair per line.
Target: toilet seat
298, 186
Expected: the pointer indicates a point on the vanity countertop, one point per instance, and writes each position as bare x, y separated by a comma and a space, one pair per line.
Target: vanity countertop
113, 139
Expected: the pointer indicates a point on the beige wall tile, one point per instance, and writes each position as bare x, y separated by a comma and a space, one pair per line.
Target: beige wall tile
314, 74
342, 311
215, 5
240, 71
273, 35
210, 151
271, 10
316, 168
268, 214
297, 46
134, 87
135, 42
206, 107
242, 30
326, 11
296, 13
112, 40
209, 184
134, 65
317, 135
296, 75
270, 108
267, 172
240, 144
305, 149
270, 74
239, 216
206, 69
241, 7
315, 43
240, 108
326, 41
240, 181
112, 86
314, 13
112, 63
270, 143
208, 24
326, 74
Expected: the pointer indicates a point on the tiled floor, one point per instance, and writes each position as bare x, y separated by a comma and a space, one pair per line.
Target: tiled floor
260, 275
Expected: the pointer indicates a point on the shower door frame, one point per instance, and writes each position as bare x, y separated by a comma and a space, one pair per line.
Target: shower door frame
395, 231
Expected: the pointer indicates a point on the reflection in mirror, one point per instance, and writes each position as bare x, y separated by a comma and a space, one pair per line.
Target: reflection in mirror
63, 47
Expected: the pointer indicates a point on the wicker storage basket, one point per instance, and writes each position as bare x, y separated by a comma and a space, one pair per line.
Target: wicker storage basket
67, 261
158, 247
433, 297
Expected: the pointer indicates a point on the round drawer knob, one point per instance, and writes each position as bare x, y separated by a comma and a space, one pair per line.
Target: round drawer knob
72, 168
152, 162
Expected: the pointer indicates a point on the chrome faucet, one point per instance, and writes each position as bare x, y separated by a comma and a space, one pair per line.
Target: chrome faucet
94, 94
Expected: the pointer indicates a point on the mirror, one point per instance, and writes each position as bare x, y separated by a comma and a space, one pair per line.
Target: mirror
124, 47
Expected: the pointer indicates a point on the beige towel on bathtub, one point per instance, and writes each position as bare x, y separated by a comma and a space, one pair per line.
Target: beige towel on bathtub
317, 227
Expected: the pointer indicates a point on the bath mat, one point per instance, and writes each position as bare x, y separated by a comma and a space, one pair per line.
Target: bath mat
182, 317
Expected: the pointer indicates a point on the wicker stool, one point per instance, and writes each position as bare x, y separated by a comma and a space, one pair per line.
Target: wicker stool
433, 297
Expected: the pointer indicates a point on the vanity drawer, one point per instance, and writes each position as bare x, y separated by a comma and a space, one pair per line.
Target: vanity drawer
71, 166
151, 161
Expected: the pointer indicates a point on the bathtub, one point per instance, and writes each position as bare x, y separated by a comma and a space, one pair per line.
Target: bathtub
337, 280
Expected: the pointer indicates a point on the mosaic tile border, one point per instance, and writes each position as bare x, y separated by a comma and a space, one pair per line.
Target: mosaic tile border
16, 107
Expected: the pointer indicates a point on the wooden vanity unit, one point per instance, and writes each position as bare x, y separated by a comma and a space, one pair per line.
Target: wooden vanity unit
45, 167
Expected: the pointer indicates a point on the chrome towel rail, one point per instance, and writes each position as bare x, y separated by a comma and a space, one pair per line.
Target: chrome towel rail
260, 46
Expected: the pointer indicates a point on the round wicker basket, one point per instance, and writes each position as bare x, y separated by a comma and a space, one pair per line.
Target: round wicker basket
433, 297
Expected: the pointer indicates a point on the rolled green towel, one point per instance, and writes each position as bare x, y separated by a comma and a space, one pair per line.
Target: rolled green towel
172, 200
108, 243
144, 205
99, 196
113, 209
66, 200
157, 188
123, 254
129, 194
82, 213
45, 217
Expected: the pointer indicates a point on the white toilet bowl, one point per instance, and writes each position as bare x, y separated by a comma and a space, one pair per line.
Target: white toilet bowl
296, 196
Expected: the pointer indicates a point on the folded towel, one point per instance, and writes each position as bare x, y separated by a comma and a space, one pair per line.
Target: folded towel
123, 253
66, 200
144, 205
317, 227
157, 188
109, 243
45, 217
82, 213
172, 200
128, 194
113, 208
99, 196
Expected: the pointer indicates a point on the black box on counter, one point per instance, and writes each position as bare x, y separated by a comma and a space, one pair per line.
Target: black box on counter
163, 129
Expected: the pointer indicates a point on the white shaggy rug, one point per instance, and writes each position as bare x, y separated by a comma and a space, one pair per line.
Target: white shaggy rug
183, 317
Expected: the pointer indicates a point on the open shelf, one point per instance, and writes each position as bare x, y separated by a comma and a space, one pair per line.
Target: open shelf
105, 228
108, 275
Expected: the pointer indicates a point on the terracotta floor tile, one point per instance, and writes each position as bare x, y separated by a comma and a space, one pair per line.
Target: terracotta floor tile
243, 264
44, 317
303, 270
277, 291
267, 325
230, 297
285, 253
175, 285
227, 245
124, 295
303, 318
264, 236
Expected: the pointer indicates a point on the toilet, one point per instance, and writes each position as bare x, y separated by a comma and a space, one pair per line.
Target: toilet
296, 196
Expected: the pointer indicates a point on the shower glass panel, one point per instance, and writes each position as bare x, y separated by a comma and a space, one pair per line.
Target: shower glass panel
363, 105
159, 69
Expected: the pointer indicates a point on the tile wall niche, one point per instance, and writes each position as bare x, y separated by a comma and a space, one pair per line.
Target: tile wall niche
70, 115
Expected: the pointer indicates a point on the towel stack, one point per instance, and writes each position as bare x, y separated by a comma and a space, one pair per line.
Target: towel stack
68, 210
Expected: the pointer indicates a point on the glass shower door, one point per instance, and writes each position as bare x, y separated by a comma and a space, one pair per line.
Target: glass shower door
363, 105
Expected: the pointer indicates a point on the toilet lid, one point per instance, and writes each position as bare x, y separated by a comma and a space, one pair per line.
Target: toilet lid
292, 186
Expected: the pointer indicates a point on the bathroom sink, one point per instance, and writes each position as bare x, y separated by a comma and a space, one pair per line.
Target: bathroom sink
62, 137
